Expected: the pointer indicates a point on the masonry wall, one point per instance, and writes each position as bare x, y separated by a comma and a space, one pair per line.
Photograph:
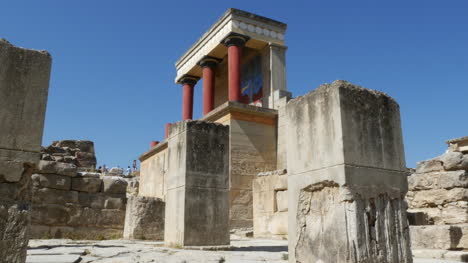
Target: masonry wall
153, 172
24, 83
438, 203
67, 203
270, 204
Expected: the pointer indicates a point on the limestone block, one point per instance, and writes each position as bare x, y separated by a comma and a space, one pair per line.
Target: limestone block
115, 202
437, 180
282, 201
11, 171
435, 197
454, 161
92, 200
89, 174
278, 224
197, 199
432, 165
54, 196
86, 159
114, 185
55, 181
51, 167
24, 83
144, 218
439, 237
281, 183
456, 214
117, 171
346, 174
112, 218
51, 214
86, 184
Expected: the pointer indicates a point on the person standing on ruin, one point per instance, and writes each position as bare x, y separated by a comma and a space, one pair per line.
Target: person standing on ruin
134, 165
128, 172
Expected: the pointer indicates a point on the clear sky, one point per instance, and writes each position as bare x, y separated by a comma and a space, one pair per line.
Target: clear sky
113, 62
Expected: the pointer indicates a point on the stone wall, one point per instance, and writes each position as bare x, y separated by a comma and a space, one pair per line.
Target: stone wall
68, 203
438, 202
24, 83
270, 204
346, 177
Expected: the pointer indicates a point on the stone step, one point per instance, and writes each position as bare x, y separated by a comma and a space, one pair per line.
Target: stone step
441, 254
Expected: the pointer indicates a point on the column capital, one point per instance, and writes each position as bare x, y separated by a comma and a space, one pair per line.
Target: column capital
235, 39
209, 61
188, 79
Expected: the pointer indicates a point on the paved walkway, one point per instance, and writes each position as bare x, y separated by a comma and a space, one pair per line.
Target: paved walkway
124, 251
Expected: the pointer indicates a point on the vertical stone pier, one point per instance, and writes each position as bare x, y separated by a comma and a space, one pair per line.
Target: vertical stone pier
347, 180
24, 83
197, 199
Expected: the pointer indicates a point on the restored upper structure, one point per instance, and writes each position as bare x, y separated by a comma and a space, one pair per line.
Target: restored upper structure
240, 58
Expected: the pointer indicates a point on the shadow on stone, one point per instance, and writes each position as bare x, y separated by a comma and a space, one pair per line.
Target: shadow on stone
262, 248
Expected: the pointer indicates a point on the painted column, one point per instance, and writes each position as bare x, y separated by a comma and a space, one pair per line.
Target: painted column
188, 83
208, 64
234, 42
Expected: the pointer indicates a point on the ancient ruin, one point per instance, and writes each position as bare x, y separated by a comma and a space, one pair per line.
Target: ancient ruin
438, 204
321, 176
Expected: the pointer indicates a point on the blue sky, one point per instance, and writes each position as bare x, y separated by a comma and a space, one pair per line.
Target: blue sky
113, 62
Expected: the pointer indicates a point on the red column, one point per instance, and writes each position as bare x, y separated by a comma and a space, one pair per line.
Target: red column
187, 103
234, 76
188, 83
208, 89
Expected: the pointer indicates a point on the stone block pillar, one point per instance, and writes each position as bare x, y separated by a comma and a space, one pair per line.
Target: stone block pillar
197, 199
24, 83
346, 177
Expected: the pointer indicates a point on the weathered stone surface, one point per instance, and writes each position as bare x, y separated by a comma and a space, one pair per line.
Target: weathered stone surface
432, 165
454, 161
438, 180
11, 171
144, 218
436, 197
197, 201
14, 221
52, 181
24, 83
346, 177
51, 214
324, 217
86, 184
439, 237
54, 196
92, 200
114, 185
282, 200
86, 159
117, 171
52, 167
445, 215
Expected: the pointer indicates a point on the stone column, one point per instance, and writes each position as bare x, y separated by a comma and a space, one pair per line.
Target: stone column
234, 42
188, 83
24, 84
208, 64
346, 177
197, 198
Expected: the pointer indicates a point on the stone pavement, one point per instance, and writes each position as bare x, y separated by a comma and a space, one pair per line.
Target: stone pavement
125, 251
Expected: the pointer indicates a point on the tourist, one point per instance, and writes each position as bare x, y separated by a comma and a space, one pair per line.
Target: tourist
128, 172
134, 165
